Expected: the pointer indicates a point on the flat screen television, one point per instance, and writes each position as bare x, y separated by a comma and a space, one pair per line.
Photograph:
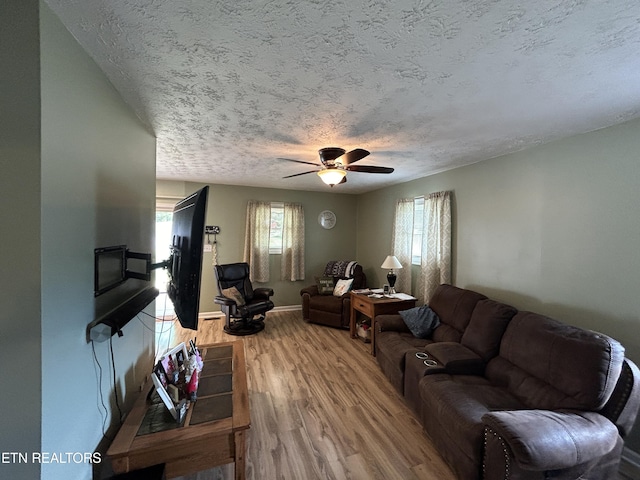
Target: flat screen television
185, 263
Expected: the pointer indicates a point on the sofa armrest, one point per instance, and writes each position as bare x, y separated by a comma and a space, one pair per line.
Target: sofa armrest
391, 323
456, 358
550, 440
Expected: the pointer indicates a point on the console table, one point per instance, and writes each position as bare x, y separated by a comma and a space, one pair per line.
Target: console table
371, 307
213, 432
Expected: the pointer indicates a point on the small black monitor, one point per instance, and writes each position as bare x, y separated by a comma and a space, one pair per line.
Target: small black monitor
185, 263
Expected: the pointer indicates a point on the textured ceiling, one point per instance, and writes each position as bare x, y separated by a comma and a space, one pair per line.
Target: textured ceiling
229, 86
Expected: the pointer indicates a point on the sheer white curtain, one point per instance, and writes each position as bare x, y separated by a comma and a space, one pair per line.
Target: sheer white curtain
292, 266
402, 238
435, 265
256, 240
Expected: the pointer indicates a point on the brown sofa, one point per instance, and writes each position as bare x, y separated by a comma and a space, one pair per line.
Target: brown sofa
328, 309
513, 395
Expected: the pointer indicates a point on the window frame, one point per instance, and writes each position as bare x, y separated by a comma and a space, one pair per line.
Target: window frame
417, 230
275, 245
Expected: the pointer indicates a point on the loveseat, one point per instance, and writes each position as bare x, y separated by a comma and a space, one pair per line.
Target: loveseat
511, 394
325, 308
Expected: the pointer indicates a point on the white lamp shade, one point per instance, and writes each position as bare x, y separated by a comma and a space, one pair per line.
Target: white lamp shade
332, 176
391, 262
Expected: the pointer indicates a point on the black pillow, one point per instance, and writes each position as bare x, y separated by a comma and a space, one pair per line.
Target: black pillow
325, 285
420, 320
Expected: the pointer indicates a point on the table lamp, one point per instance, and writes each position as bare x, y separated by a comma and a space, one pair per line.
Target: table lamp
391, 262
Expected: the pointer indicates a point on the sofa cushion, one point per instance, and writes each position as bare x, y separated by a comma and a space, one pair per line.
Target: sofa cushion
454, 307
488, 322
420, 320
551, 365
452, 410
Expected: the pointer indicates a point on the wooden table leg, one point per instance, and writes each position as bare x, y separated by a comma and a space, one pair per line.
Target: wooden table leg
352, 321
240, 464
373, 334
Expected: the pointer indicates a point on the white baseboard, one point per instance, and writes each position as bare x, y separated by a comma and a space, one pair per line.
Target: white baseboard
219, 314
630, 463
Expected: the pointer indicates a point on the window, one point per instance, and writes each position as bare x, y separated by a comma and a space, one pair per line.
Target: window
418, 229
275, 228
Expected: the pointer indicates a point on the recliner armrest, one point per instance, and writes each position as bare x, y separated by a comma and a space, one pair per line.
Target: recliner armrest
264, 292
311, 290
220, 300
552, 440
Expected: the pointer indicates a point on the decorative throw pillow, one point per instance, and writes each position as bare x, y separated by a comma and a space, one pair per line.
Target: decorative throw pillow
420, 320
342, 287
234, 294
325, 285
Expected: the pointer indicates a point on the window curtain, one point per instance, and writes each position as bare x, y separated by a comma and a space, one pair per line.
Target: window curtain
402, 239
256, 240
435, 266
292, 262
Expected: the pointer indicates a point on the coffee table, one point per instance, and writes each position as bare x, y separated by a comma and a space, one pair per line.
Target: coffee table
214, 429
371, 307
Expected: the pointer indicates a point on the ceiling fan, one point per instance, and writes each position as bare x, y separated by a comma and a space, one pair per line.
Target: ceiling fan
336, 162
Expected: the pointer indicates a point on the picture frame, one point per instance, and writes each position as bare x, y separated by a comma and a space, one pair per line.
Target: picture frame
162, 393
165, 370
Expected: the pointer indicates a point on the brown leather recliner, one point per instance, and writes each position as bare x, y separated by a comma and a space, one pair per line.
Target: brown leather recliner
330, 310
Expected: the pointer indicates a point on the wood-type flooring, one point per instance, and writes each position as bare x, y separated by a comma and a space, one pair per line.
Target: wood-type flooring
320, 407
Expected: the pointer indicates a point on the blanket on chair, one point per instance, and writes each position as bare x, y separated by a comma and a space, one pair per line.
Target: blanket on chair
340, 268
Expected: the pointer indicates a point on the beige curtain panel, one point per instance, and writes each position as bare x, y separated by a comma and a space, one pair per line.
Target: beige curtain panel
292, 266
256, 240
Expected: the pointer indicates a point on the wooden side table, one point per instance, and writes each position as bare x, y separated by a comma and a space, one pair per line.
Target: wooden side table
213, 432
371, 307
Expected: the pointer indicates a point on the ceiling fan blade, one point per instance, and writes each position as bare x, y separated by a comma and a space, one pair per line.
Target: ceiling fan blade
303, 173
300, 161
369, 169
352, 156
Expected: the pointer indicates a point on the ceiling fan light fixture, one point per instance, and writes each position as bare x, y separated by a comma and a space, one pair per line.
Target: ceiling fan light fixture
332, 176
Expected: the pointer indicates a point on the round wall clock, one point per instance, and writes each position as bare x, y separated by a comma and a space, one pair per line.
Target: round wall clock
327, 219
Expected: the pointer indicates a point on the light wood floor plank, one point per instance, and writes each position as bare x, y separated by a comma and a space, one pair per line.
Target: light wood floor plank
321, 408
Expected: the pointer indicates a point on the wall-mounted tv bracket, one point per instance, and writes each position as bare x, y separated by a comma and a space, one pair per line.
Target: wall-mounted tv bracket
112, 268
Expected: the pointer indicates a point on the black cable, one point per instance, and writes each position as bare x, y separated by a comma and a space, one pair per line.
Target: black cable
101, 396
115, 383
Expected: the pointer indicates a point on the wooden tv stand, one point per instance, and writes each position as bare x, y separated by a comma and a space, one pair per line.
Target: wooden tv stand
214, 429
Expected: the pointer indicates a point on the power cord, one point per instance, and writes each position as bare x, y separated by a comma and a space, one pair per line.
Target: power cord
104, 414
115, 382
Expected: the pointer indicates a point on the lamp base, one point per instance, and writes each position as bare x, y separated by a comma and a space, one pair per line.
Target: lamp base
391, 279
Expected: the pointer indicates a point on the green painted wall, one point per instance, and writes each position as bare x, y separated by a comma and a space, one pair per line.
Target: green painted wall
78, 172
20, 232
552, 229
227, 209
98, 190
